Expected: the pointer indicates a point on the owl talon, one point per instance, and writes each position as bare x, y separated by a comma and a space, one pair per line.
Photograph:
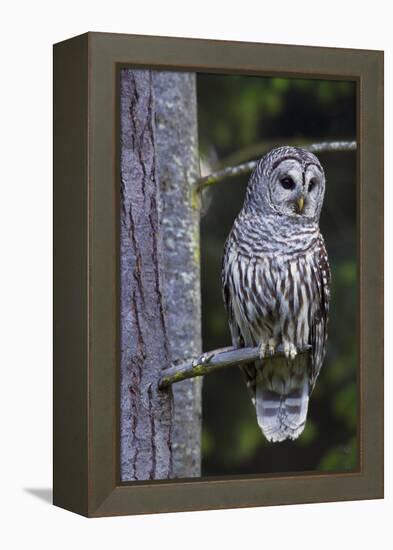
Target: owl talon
293, 352
272, 346
262, 350
290, 350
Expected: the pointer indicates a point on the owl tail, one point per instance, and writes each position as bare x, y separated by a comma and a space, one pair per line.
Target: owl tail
281, 415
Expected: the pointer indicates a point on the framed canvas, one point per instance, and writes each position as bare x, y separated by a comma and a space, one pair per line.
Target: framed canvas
185, 170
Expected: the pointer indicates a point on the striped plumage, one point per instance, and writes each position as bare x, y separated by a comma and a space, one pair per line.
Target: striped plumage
276, 280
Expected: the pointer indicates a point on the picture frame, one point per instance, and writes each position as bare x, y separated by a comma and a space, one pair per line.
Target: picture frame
86, 477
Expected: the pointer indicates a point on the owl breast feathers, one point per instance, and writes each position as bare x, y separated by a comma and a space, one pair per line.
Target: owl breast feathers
276, 281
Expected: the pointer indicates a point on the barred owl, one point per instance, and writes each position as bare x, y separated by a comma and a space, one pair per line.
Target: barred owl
276, 279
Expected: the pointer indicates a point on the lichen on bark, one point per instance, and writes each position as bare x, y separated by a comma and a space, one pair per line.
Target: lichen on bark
178, 168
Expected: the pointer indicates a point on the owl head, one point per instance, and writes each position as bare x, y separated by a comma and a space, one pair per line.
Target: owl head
288, 181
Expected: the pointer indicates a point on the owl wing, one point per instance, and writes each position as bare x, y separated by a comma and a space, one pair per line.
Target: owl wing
319, 324
237, 338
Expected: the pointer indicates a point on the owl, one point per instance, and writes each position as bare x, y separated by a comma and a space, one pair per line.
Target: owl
276, 287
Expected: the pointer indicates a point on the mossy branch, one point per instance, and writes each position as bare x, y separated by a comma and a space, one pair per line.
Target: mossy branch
247, 167
213, 360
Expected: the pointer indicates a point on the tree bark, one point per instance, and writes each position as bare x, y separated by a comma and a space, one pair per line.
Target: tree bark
178, 168
146, 413
159, 272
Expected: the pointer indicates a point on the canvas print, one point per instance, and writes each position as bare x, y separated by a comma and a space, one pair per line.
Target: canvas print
238, 275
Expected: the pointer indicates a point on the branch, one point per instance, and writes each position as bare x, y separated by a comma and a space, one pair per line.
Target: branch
259, 148
215, 360
247, 167
331, 146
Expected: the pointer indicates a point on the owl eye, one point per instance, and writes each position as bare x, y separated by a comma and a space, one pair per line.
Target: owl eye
287, 183
312, 184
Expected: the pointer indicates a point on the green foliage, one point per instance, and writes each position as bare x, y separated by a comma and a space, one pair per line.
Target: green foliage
248, 439
340, 458
236, 115
309, 434
235, 111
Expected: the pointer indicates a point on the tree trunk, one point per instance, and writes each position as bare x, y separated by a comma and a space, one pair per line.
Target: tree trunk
159, 271
178, 167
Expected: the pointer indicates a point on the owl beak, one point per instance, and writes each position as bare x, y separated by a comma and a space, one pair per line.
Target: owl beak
300, 204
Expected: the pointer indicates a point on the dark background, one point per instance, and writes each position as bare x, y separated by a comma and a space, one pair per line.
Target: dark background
241, 118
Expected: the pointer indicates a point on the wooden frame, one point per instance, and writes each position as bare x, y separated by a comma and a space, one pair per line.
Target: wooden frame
86, 478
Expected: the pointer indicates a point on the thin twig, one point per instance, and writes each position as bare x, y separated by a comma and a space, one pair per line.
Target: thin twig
214, 360
259, 148
331, 146
247, 167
